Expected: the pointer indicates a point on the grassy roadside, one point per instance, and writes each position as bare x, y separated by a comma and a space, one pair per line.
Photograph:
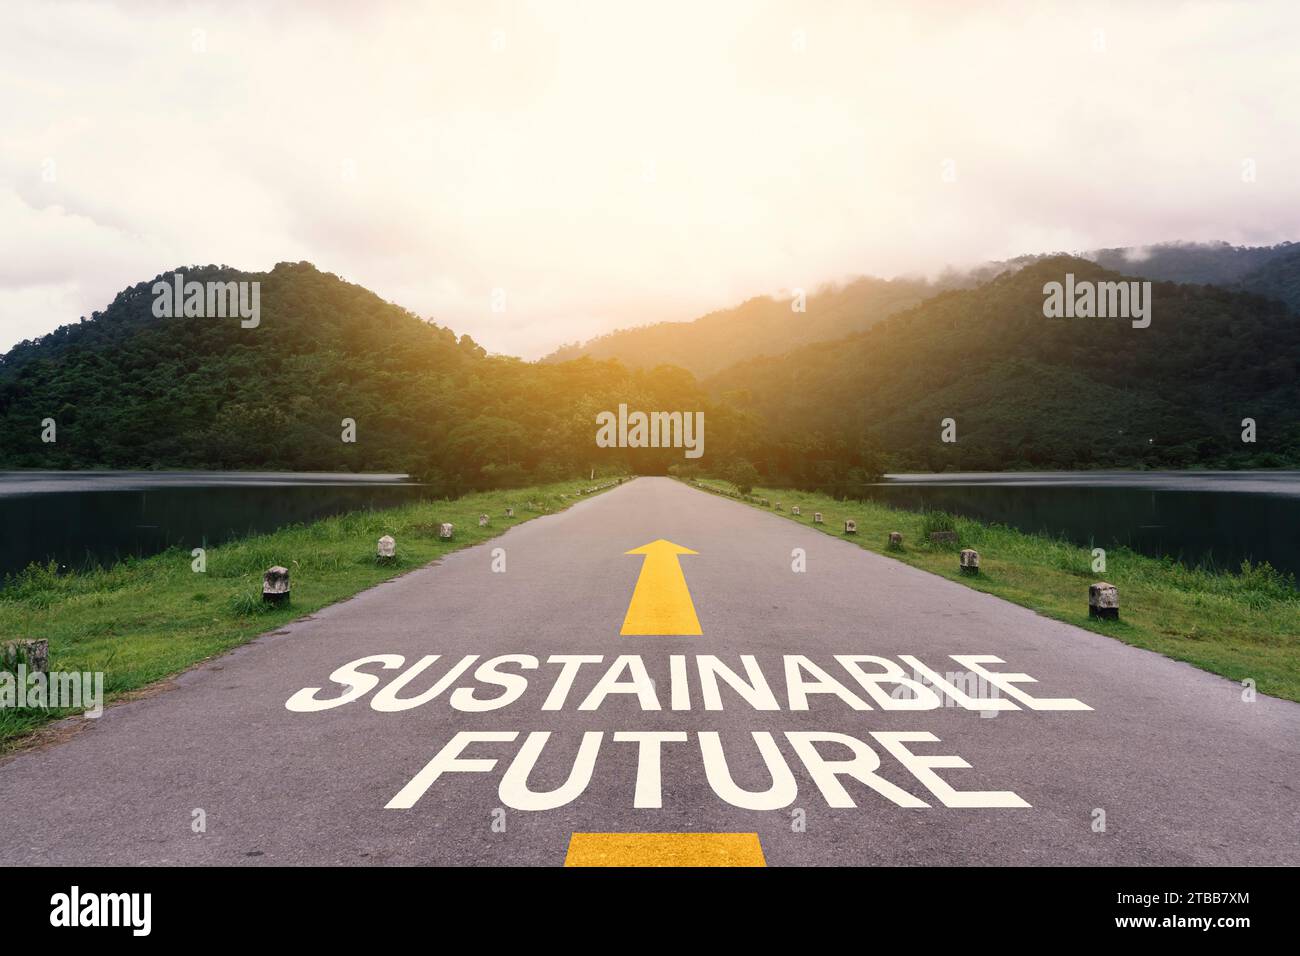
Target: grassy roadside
1242, 626
143, 620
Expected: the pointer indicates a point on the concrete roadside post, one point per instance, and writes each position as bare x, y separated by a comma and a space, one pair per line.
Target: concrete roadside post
1103, 601
275, 585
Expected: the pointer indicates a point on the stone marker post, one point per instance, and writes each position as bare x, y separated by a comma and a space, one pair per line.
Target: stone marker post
970, 561
1103, 600
387, 547
896, 540
275, 585
34, 654
446, 530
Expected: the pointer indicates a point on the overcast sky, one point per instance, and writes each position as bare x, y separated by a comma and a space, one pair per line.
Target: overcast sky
609, 164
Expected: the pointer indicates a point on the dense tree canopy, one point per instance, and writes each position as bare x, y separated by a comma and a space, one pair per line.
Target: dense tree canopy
127, 389
1029, 391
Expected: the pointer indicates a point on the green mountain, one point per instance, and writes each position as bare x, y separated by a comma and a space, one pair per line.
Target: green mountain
130, 389
767, 326
1208, 263
127, 389
1029, 391
761, 326
1277, 278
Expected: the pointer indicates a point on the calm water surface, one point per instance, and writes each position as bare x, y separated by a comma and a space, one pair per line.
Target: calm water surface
79, 518
1217, 519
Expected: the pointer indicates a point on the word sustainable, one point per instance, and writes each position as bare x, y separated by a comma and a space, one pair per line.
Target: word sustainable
651, 430
863, 677
1102, 300
213, 300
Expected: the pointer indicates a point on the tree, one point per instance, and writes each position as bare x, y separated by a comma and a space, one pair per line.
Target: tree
743, 475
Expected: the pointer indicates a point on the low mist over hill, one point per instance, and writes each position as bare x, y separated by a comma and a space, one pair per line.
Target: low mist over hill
761, 326
768, 326
1211, 263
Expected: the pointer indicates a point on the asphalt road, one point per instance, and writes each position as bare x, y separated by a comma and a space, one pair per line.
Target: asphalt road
1185, 771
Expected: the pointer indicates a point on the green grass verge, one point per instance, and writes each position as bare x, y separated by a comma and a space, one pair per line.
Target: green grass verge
143, 620
1242, 626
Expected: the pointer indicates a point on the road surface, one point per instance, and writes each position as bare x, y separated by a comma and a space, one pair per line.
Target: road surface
1168, 766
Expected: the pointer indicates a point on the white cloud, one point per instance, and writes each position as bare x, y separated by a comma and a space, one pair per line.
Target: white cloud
613, 164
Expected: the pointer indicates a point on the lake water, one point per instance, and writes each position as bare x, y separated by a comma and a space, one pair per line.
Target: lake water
1197, 517
77, 518
1212, 518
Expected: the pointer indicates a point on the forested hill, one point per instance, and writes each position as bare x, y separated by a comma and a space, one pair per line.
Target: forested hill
1026, 390
761, 326
1277, 278
1210, 263
1270, 271
767, 326
128, 389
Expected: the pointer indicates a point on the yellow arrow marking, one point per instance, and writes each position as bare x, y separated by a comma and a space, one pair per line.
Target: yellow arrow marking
664, 849
661, 603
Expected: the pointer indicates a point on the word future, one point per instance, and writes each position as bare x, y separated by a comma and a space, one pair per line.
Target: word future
1102, 300
653, 430
212, 300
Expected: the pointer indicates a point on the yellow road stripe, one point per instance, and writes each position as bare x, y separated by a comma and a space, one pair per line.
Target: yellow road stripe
665, 849
661, 603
